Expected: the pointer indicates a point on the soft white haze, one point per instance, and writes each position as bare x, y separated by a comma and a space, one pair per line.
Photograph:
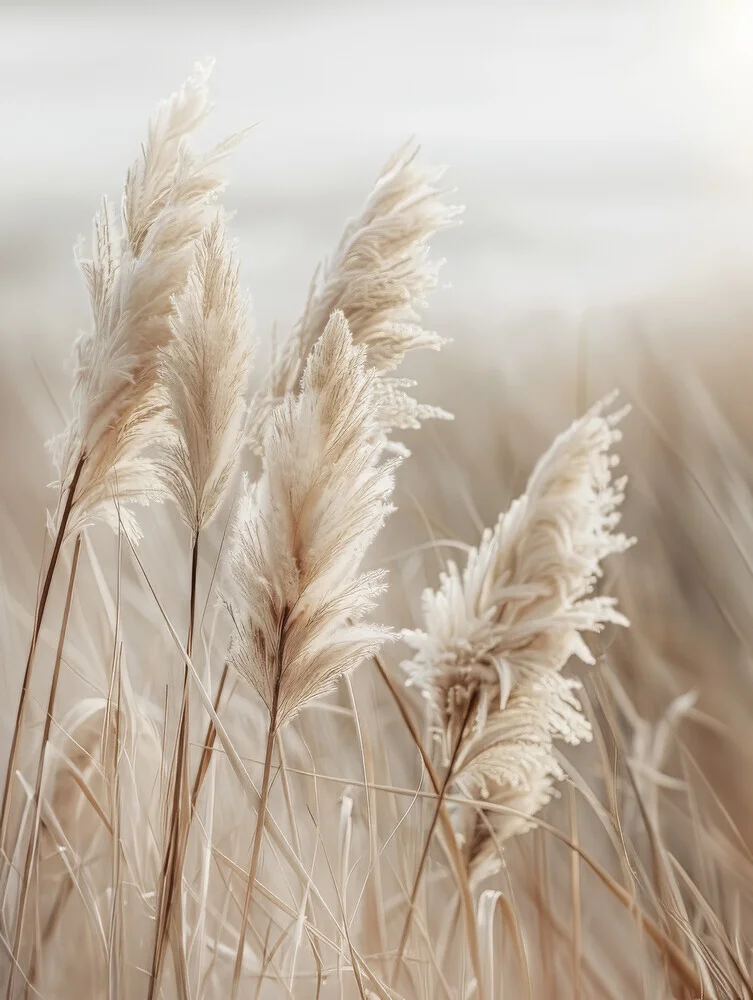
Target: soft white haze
603, 151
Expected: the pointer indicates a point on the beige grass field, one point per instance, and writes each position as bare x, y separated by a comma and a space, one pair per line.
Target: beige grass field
306, 689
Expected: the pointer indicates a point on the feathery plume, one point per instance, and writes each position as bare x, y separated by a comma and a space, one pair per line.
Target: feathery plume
133, 279
202, 379
518, 770
302, 533
304, 528
203, 375
380, 277
498, 634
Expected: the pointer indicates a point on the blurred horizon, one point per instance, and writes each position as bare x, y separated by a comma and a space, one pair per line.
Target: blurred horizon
599, 149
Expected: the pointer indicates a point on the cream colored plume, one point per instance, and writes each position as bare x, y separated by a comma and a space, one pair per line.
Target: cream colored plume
498, 634
379, 277
203, 373
304, 528
133, 279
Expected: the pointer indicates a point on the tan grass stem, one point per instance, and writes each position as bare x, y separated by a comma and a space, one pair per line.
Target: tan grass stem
31, 850
208, 744
37, 627
258, 835
180, 819
427, 842
666, 945
447, 828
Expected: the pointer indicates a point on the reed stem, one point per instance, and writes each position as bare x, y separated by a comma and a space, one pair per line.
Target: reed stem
37, 628
256, 848
447, 828
427, 843
31, 850
180, 817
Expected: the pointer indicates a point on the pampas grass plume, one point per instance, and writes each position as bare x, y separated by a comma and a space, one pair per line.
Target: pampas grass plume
304, 529
133, 280
379, 277
203, 373
497, 635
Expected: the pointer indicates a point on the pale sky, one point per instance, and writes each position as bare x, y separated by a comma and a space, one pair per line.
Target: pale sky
603, 150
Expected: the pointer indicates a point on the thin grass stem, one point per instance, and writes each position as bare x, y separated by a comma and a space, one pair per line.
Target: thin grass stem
37, 627
32, 847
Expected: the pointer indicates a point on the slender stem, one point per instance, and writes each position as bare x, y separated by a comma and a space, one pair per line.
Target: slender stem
37, 628
209, 739
263, 796
115, 930
256, 848
447, 828
310, 913
192, 600
180, 816
31, 850
576, 898
427, 843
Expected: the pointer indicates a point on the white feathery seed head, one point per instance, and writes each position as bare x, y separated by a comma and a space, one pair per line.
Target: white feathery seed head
303, 530
379, 277
497, 634
133, 278
203, 376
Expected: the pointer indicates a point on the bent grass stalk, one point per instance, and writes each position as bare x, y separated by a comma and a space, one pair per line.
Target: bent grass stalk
422, 863
677, 959
427, 844
666, 945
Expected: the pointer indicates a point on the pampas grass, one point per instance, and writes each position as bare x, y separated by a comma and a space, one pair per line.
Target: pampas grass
379, 278
304, 529
133, 282
203, 376
232, 788
497, 637
131, 286
299, 542
204, 373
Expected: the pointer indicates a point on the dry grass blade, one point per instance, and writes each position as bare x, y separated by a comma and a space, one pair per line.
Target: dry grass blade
449, 832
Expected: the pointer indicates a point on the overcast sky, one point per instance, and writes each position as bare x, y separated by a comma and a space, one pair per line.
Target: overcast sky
603, 149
